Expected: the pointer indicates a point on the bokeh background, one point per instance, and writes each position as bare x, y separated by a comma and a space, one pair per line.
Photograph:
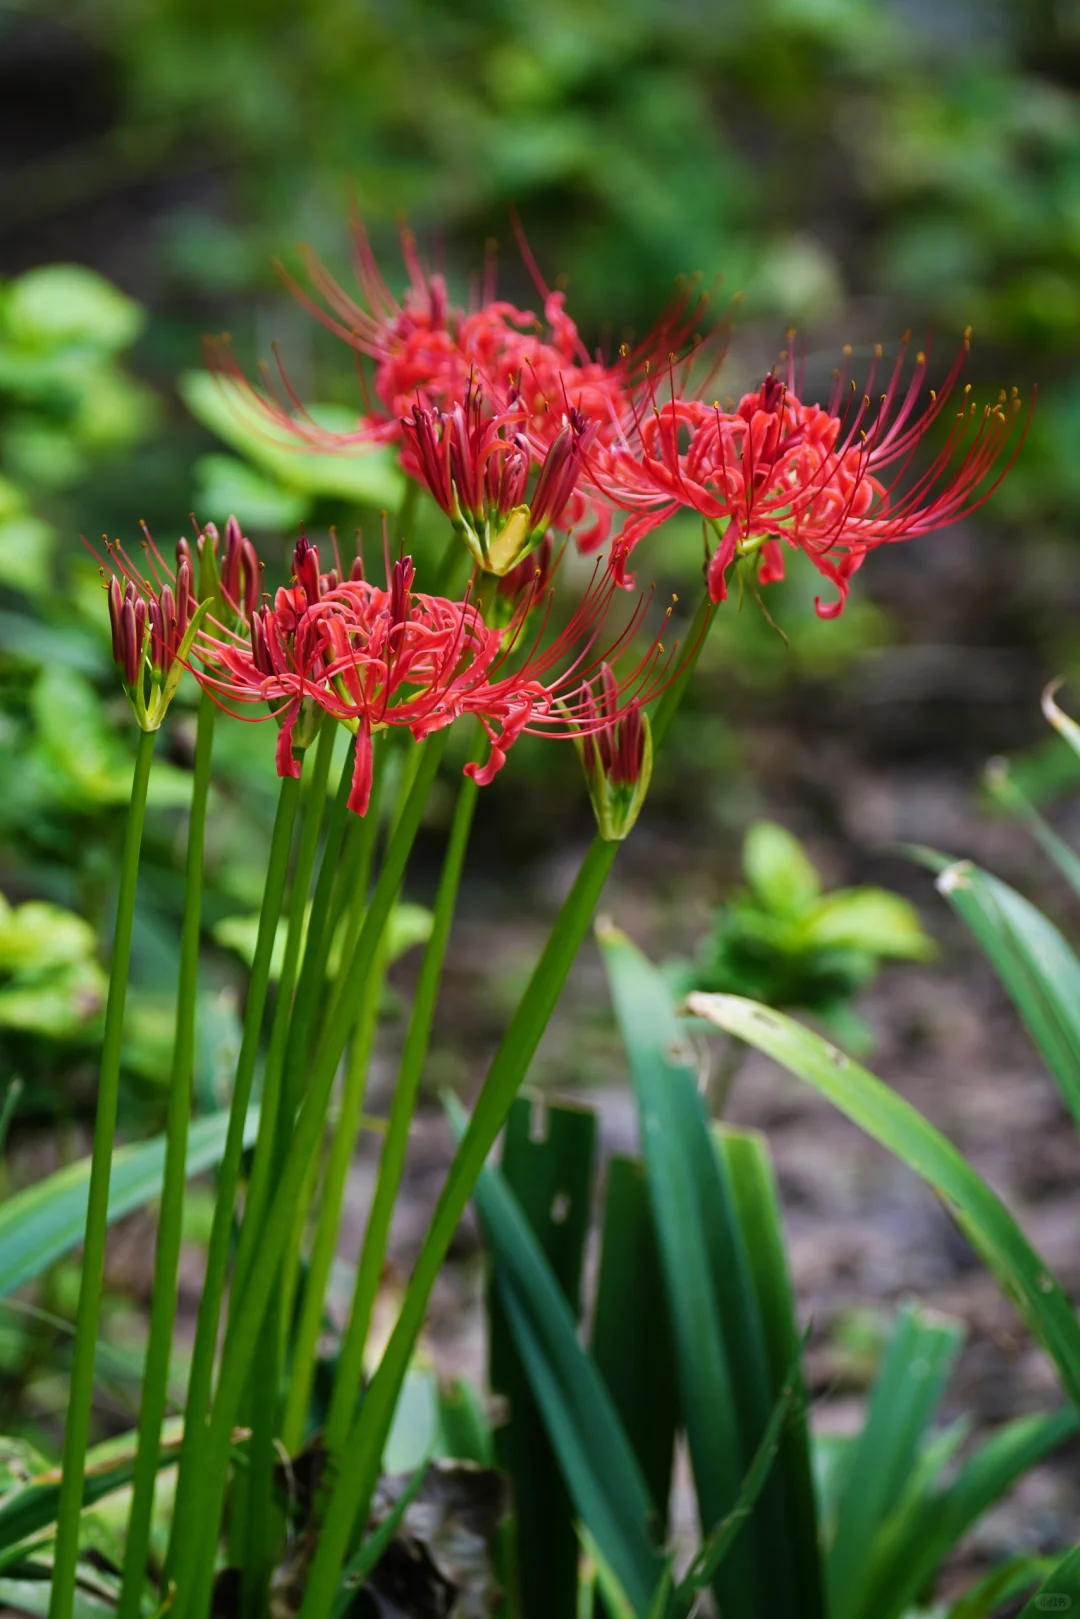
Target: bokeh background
852, 168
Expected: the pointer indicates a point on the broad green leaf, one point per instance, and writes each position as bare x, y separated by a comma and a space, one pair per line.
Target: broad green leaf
62, 305
599, 1467
716, 1323
868, 919
224, 485
26, 547
37, 935
779, 870
880, 1464
60, 1002
86, 761
904, 1132
44, 1222
1036, 964
364, 472
547, 1163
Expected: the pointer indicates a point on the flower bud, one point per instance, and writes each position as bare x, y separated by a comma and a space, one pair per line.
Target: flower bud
617, 755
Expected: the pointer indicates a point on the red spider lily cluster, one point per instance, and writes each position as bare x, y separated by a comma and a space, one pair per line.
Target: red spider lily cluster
519, 434
485, 402
375, 657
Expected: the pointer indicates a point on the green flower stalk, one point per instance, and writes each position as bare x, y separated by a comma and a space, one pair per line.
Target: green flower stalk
80, 1399
163, 1304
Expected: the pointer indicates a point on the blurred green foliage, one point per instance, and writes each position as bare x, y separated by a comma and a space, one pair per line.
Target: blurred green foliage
784, 941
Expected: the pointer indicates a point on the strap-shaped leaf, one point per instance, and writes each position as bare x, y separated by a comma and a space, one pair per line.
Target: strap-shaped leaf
916, 1542
598, 1463
631, 1334
908, 1136
757, 1200
24, 1512
550, 1172
1035, 963
44, 1222
1059, 1592
902, 1405
721, 1359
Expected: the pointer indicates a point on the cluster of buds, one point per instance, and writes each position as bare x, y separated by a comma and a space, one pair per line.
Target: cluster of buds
231, 583
616, 752
477, 467
153, 631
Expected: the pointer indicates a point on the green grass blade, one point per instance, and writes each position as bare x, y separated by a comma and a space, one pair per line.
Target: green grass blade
1000, 781
1059, 1592
757, 1201
910, 1549
598, 1464
1007, 1583
32, 1507
719, 1340
631, 1333
903, 1401
550, 1174
1036, 964
702, 1571
908, 1136
372, 1549
44, 1222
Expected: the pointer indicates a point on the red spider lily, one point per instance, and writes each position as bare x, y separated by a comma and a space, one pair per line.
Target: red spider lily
374, 657
369, 656
477, 467
431, 354
830, 481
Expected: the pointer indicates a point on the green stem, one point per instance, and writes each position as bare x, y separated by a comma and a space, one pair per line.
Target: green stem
271, 1117
275, 1117
190, 1483
392, 1160
342, 1146
81, 1390
354, 1486
195, 1577
170, 1221
311, 982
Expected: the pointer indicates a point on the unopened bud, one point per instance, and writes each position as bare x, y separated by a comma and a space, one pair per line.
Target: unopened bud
617, 757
